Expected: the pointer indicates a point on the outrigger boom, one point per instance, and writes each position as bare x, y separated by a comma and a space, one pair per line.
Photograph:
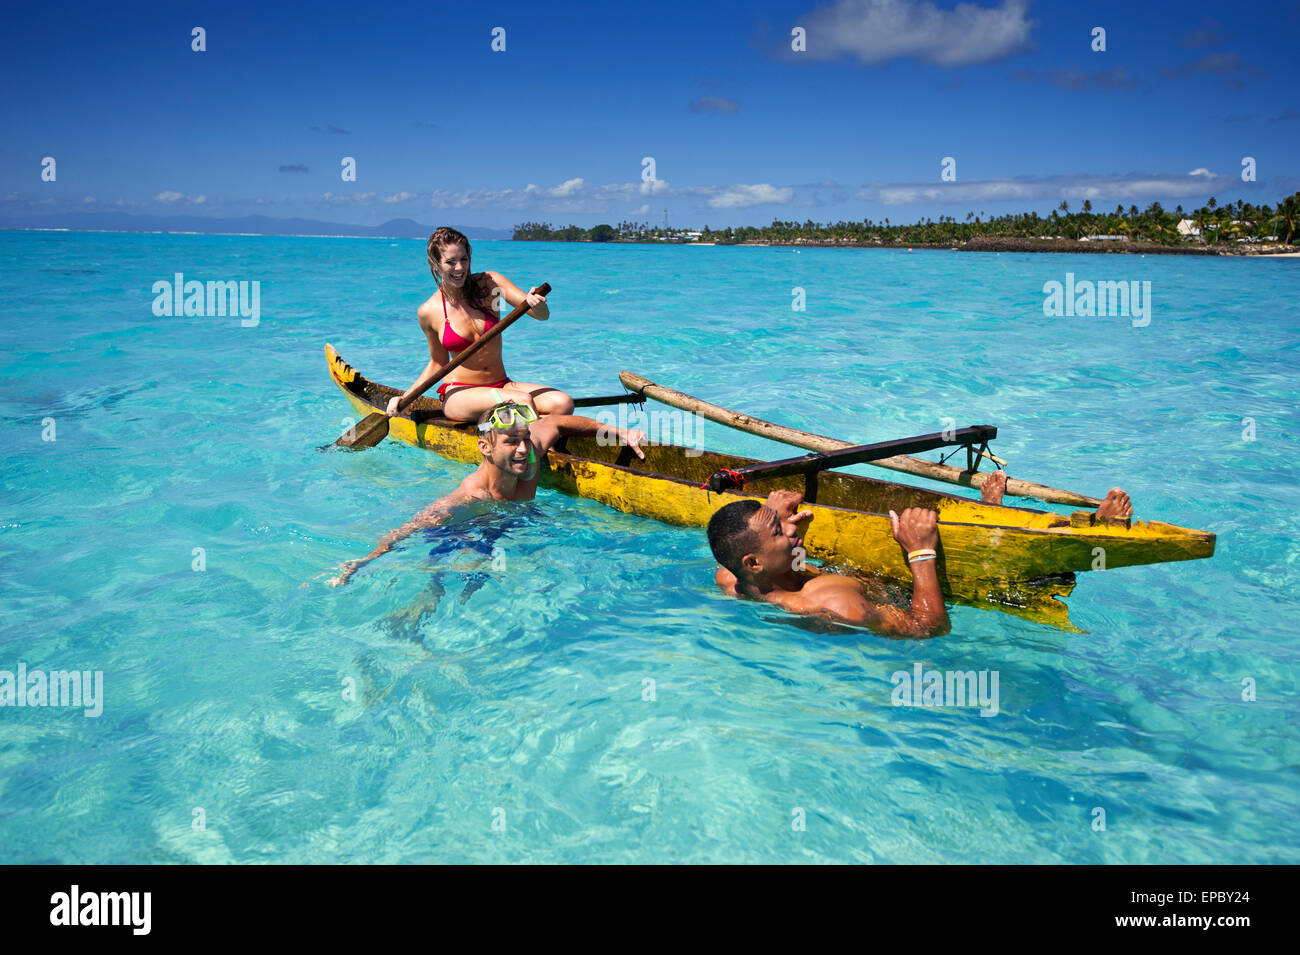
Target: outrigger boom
975, 439
817, 442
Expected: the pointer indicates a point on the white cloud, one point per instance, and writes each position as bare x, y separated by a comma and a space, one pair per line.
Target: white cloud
741, 197
497, 198
567, 188
572, 196
168, 197
1138, 188
876, 31
578, 196
714, 104
351, 199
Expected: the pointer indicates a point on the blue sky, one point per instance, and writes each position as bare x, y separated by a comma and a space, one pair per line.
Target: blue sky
742, 128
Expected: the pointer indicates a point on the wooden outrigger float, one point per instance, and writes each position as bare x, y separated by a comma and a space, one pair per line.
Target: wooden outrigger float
1013, 558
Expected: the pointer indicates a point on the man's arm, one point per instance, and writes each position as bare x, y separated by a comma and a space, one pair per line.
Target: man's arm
550, 428
925, 617
916, 529
436, 513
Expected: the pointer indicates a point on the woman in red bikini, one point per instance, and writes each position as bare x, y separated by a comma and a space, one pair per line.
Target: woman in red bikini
455, 317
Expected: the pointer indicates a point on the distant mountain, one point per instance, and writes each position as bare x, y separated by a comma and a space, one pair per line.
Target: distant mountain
257, 225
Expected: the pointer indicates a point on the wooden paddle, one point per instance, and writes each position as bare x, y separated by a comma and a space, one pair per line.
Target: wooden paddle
366, 433
373, 428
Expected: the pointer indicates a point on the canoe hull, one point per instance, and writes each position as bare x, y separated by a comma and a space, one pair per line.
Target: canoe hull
1009, 556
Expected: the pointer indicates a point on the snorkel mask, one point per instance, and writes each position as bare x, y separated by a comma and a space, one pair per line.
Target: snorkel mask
505, 415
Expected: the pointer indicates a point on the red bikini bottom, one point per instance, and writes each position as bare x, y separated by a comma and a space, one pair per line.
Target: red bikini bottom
443, 388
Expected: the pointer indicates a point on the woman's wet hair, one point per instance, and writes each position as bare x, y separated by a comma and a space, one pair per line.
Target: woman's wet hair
730, 536
476, 292
442, 237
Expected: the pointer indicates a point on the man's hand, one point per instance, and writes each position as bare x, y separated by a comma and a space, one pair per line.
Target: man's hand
349, 568
916, 529
785, 504
392, 406
633, 440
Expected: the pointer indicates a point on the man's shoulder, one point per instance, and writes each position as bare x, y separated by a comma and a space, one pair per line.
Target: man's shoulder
835, 593
726, 580
473, 488
829, 580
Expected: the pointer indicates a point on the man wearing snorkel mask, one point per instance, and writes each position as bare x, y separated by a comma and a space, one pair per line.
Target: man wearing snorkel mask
513, 441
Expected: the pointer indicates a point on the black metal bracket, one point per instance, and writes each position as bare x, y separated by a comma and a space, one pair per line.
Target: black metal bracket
979, 434
631, 398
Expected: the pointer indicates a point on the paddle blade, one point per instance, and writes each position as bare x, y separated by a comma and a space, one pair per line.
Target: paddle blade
366, 433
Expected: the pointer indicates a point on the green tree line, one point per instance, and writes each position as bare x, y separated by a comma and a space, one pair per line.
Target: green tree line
1216, 224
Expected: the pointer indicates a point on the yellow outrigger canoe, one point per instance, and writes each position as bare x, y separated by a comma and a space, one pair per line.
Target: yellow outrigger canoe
1015, 558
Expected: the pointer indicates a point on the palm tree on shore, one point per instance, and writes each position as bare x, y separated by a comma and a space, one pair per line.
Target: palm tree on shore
1288, 211
1209, 223
1202, 220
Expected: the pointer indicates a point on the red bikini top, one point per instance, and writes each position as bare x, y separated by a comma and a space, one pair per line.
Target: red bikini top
451, 339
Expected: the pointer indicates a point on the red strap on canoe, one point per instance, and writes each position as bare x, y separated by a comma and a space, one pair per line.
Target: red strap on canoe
736, 478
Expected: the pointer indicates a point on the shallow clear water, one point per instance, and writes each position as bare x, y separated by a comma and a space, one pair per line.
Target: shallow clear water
503, 679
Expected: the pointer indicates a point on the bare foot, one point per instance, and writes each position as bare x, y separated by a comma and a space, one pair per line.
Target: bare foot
994, 486
1116, 504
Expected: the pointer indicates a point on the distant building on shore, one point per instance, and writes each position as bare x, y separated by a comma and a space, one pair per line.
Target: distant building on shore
1188, 227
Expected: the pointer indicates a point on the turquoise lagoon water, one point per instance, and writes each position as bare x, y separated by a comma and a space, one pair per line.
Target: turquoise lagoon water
499, 712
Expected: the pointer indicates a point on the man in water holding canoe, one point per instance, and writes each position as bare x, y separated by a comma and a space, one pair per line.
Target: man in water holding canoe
513, 442
755, 544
